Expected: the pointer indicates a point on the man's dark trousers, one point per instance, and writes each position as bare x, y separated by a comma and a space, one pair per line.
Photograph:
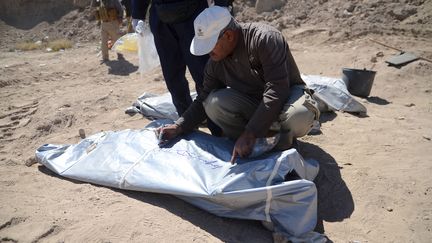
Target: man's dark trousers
172, 43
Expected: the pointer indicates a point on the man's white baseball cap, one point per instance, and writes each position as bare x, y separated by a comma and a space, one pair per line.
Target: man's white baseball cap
208, 25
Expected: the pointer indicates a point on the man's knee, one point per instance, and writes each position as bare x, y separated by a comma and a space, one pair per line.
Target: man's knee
221, 109
299, 116
215, 104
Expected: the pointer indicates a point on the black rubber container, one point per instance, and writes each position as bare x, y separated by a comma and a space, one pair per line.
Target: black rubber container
358, 81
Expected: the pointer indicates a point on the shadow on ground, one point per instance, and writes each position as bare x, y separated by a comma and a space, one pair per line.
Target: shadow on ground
335, 202
225, 229
121, 67
378, 100
327, 116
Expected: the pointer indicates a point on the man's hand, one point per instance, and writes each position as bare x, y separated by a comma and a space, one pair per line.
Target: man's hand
166, 133
134, 24
243, 146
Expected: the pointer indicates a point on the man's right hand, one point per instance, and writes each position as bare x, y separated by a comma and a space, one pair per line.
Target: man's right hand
166, 133
243, 146
135, 23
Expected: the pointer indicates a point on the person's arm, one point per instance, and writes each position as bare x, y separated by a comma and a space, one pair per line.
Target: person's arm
272, 53
195, 113
139, 9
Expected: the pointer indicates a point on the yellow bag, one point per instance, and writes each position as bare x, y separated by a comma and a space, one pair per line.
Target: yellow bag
128, 42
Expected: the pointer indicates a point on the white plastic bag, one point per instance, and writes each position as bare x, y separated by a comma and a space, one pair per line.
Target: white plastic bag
148, 56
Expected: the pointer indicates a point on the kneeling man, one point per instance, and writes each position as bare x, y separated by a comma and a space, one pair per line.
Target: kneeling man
252, 86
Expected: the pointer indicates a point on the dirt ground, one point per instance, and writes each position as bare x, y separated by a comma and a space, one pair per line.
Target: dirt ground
374, 183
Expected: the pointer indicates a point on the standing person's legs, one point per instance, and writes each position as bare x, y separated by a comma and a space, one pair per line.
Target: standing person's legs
195, 64
172, 62
230, 110
104, 40
113, 30
297, 116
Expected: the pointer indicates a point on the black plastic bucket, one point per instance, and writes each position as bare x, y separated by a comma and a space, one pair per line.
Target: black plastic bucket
358, 81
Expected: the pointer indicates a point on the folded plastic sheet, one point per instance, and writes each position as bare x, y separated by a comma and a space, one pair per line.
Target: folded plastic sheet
155, 107
195, 169
331, 94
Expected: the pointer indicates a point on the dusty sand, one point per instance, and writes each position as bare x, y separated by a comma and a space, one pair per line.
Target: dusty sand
374, 183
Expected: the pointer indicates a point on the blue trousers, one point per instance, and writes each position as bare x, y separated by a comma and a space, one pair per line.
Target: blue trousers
172, 43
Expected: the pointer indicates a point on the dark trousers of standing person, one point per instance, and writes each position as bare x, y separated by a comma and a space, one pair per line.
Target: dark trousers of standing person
173, 46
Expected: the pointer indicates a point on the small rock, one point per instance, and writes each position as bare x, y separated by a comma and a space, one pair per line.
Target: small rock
81, 133
380, 54
346, 13
80, 23
389, 209
401, 118
402, 12
426, 137
410, 105
30, 161
301, 16
349, 7
374, 60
